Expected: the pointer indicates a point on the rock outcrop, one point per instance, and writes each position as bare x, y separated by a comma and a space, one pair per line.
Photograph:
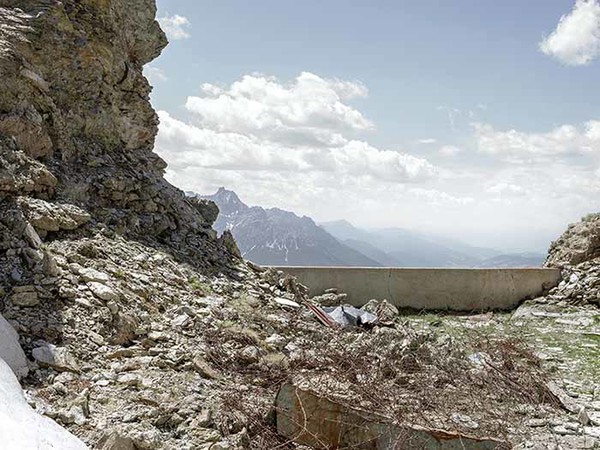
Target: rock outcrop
577, 252
77, 132
578, 244
10, 349
76, 162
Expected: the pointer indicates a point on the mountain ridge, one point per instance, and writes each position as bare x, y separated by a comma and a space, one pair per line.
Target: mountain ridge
273, 236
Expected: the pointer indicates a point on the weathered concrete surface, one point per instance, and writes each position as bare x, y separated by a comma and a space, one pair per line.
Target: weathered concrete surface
454, 289
313, 420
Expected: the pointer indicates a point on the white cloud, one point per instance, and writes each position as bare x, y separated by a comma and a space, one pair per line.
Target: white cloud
308, 111
184, 145
300, 146
435, 197
427, 141
563, 141
175, 27
294, 145
449, 150
506, 189
576, 39
155, 74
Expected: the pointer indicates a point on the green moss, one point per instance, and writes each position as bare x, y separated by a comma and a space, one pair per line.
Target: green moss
199, 287
572, 351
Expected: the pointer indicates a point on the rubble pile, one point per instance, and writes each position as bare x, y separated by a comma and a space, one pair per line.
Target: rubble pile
580, 284
577, 253
135, 343
579, 243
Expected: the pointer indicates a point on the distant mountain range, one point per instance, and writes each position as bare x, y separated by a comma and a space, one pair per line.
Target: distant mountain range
277, 237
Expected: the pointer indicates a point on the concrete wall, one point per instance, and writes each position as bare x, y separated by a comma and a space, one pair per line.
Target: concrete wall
455, 289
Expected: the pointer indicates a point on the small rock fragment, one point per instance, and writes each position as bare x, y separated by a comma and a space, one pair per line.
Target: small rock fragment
102, 291
25, 296
59, 358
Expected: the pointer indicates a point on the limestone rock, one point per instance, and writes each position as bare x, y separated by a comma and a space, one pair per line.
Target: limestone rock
25, 296
384, 310
32, 237
47, 216
313, 420
330, 299
89, 274
204, 369
103, 291
116, 441
580, 243
59, 358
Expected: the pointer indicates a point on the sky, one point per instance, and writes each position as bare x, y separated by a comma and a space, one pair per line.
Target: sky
472, 119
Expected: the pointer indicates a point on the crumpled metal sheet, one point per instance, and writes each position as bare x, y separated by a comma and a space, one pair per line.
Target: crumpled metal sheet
348, 316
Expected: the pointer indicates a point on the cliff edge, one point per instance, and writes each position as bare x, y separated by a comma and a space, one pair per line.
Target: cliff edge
77, 129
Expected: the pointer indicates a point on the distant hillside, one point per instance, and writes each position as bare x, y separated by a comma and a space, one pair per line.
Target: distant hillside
514, 260
277, 237
405, 248
402, 248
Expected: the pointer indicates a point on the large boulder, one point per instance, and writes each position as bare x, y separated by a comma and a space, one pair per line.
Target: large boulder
10, 350
580, 243
21, 428
308, 418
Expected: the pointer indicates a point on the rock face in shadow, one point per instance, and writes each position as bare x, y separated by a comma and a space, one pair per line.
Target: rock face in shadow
578, 244
77, 132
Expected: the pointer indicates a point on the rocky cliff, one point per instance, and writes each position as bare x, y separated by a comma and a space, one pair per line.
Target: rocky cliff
81, 186
77, 129
578, 244
577, 252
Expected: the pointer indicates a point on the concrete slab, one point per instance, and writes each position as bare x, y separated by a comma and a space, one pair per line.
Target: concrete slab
433, 289
307, 418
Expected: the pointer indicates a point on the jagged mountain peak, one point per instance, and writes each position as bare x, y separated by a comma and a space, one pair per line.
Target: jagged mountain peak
228, 201
274, 236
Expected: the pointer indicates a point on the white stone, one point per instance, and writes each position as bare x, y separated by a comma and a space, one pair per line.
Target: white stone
102, 291
10, 350
21, 428
276, 340
573, 278
181, 321
89, 274
592, 431
59, 358
583, 417
285, 302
